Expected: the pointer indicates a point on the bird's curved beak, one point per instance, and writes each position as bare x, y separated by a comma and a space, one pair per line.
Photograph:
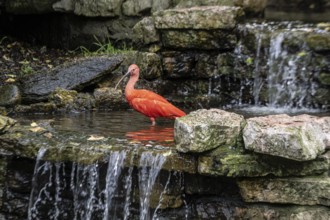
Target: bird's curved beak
121, 79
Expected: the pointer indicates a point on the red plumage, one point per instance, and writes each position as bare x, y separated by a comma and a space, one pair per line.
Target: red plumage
147, 102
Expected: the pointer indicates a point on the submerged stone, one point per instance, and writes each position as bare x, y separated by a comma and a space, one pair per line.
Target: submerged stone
298, 138
301, 191
204, 130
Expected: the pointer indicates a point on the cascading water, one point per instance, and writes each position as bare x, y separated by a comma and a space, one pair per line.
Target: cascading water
95, 191
284, 75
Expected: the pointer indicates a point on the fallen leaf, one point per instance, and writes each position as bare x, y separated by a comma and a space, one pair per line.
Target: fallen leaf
95, 138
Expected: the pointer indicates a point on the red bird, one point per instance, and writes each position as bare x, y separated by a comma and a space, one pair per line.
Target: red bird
147, 102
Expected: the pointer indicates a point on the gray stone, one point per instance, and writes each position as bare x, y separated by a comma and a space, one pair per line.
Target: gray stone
134, 8
298, 138
194, 3
73, 76
9, 95
204, 130
103, 8
64, 6
301, 191
205, 18
145, 31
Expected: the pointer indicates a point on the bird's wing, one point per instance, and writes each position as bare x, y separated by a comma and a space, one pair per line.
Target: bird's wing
146, 94
156, 108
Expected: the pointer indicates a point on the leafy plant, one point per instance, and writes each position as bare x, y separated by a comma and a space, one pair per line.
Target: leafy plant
102, 48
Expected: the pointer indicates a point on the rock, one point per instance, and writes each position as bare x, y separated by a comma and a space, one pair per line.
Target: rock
150, 65
62, 97
252, 6
236, 164
319, 42
134, 8
108, 97
204, 130
103, 8
192, 39
9, 95
325, 79
301, 191
29, 7
297, 138
160, 5
64, 6
42, 107
194, 3
73, 76
145, 31
205, 18
6, 123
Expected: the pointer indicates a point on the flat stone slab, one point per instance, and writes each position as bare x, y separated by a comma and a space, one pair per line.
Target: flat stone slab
301, 191
253, 165
206, 18
73, 76
204, 130
300, 138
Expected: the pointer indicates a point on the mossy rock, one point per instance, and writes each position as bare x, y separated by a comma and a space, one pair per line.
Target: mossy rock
319, 42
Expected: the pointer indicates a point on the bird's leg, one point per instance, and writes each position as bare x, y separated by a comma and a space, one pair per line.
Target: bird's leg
153, 121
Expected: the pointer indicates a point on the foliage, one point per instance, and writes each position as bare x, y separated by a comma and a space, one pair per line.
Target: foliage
105, 47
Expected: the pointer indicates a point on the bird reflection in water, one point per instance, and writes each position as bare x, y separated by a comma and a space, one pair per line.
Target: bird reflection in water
154, 134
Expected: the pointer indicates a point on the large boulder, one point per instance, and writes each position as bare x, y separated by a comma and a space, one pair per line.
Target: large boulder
302, 191
103, 8
29, 7
298, 138
73, 76
204, 130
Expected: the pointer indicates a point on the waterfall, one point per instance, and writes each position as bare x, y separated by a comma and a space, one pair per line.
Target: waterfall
283, 70
150, 167
95, 191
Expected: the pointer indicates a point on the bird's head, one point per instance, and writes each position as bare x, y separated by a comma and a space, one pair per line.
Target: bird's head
133, 71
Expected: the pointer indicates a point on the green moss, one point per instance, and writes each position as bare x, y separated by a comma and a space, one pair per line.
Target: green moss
325, 78
319, 42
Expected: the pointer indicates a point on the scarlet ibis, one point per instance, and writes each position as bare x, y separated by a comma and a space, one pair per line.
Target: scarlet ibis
147, 102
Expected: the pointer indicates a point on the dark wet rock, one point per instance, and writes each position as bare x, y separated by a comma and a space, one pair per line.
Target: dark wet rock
29, 7
298, 138
301, 191
73, 76
204, 130
104, 8
9, 95
199, 39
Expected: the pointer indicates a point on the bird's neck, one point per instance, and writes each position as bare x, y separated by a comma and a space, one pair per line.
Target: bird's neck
130, 85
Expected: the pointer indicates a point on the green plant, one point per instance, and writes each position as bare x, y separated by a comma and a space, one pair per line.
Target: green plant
105, 47
26, 68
